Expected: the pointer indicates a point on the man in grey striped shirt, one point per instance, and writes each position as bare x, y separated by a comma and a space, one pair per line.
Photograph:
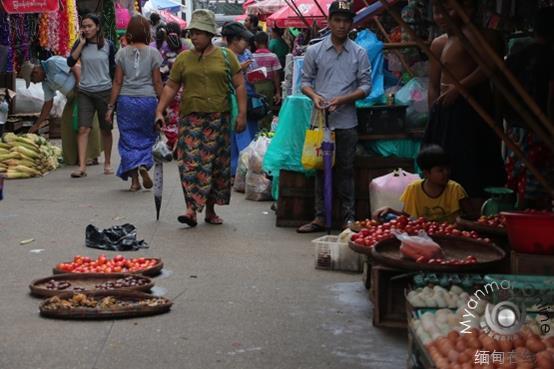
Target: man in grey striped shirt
336, 73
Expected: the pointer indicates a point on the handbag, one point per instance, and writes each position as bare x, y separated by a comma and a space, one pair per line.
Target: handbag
232, 93
312, 154
258, 108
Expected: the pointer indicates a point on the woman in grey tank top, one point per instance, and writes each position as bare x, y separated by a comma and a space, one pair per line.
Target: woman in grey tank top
97, 57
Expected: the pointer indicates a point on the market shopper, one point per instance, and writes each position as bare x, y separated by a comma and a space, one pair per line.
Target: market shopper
97, 57
203, 147
170, 47
55, 75
336, 74
252, 24
237, 39
136, 87
473, 147
270, 87
435, 197
278, 46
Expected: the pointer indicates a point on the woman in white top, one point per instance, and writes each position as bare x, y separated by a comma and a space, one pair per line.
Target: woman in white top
136, 88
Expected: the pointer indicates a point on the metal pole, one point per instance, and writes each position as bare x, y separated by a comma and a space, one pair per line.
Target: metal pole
474, 53
471, 100
320, 8
500, 63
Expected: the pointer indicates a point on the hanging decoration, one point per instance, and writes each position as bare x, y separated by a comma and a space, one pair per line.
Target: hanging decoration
23, 29
73, 22
5, 38
63, 31
108, 20
59, 30
53, 35
43, 30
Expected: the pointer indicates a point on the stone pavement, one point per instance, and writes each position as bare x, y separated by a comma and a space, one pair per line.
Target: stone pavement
246, 294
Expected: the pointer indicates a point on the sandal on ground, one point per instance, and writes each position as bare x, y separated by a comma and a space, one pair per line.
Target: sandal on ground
311, 228
92, 162
214, 220
108, 171
146, 180
188, 220
78, 174
134, 188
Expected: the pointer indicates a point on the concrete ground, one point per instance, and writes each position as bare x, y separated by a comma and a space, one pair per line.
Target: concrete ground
246, 294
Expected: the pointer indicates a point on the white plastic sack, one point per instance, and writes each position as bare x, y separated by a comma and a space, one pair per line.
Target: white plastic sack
414, 94
242, 168
386, 190
30, 100
258, 187
256, 159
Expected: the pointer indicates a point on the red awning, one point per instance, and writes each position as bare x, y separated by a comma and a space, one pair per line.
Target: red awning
266, 7
287, 17
168, 17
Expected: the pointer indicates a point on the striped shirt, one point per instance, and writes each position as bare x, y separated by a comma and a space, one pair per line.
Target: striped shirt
269, 60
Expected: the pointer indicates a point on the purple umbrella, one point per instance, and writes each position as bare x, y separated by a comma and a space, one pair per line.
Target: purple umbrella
158, 185
328, 147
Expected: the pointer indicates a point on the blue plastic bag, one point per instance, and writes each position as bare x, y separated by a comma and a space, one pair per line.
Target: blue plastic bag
374, 47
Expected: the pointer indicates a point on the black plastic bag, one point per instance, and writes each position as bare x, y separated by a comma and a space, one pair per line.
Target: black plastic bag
116, 238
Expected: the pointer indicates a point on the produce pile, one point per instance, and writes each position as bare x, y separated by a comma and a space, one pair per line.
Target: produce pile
119, 264
438, 297
80, 300
452, 346
373, 231
496, 221
127, 282
27, 156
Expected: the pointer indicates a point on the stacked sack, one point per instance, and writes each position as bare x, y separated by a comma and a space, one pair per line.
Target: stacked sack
27, 156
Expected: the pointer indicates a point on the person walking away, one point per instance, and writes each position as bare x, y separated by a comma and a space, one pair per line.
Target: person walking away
97, 57
155, 22
55, 75
533, 67
237, 38
169, 49
203, 148
271, 86
435, 197
137, 85
336, 74
472, 146
278, 46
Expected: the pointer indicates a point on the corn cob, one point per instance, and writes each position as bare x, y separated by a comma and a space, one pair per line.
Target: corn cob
24, 169
5, 146
13, 174
26, 141
26, 152
11, 155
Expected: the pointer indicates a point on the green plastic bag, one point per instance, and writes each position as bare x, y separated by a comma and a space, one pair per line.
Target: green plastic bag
233, 101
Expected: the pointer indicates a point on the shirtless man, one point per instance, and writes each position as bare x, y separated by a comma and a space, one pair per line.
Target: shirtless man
473, 147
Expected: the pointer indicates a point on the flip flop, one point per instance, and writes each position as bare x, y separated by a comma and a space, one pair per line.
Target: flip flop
311, 228
108, 171
134, 189
185, 219
214, 220
78, 174
146, 180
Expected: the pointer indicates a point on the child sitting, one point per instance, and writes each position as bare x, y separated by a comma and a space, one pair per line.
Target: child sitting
436, 197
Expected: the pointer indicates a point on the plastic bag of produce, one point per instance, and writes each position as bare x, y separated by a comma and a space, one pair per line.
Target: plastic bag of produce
256, 158
242, 168
116, 238
419, 248
258, 187
386, 190
414, 94
374, 47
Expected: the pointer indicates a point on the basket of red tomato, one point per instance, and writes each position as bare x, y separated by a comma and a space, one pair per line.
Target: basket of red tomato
103, 264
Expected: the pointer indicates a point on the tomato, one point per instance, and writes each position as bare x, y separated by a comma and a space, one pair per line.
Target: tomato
140, 260
119, 258
117, 269
102, 259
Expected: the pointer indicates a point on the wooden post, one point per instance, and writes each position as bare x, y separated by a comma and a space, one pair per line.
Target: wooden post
395, 52
499, 83
500, 63
471, 100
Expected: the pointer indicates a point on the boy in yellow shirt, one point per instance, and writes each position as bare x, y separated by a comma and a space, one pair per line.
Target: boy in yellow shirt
435, 197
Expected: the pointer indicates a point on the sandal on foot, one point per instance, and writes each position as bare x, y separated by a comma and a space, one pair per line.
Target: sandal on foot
78, 174
311, 228
214, 220
188, 220
134, 188
92, 162
146, 180
108, 171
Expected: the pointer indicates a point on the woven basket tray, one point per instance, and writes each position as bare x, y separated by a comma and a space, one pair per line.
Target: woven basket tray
482, 229
115, 313
86, 281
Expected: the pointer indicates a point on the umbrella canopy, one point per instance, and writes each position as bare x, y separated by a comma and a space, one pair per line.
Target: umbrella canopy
158, 185
266, 7
247, 3
287, 17
168, 17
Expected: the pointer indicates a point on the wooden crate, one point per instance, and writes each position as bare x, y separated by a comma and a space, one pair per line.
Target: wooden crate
295, 205
532, 264
387, 295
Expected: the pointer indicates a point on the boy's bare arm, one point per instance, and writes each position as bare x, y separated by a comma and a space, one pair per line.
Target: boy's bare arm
437, 47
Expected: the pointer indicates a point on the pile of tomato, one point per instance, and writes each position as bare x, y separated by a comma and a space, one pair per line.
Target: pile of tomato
372, 231
119, 264
496, 221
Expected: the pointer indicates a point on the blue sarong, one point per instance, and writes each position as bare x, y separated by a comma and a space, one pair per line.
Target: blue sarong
137, 135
